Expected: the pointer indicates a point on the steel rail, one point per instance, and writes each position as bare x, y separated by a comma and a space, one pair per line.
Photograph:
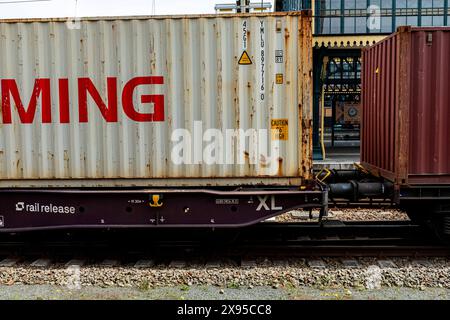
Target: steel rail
332, 238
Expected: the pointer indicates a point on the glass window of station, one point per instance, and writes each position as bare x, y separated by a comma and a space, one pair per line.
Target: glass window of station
293, 5
372, 16
378, 16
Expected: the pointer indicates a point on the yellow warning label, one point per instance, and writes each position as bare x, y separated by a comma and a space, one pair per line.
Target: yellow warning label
279, 78
280, 129
245, 59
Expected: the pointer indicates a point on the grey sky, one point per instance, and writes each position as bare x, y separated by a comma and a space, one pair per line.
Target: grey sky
66, 8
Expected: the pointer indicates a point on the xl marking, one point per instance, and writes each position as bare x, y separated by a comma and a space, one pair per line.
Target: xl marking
263, 204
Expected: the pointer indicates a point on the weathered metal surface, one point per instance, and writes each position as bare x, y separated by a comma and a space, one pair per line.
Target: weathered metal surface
37, 210
406, 107
304, 96
346, 41
103, 105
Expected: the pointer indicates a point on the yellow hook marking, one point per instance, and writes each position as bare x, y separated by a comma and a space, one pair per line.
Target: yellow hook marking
156, 203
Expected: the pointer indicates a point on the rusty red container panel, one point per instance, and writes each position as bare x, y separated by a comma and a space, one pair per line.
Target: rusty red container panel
406, 107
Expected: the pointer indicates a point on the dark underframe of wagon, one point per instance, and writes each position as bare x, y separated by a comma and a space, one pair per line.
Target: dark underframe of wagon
38, 209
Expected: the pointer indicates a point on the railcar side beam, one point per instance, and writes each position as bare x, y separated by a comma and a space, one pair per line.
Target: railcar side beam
23, 210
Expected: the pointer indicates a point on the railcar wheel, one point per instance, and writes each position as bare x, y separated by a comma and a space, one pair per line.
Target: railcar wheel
431, 218
419, 215
441, 227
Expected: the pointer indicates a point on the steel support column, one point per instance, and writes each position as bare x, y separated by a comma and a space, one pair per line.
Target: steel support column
319, 54
446, 12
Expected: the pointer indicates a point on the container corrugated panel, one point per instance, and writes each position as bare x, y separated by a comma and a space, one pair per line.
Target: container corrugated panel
406, 107
140, 101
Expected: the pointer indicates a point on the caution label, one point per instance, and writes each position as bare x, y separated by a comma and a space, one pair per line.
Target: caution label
280, 129
245, 59
279, 78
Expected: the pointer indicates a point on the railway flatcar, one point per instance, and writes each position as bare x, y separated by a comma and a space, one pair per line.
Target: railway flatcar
206, 121
406, 121
405, 153
155, 122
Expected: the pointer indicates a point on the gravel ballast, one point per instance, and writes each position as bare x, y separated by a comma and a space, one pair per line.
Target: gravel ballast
181, 293
297, 273
348, 215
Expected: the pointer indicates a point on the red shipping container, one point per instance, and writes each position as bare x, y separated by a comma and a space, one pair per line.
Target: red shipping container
406, 107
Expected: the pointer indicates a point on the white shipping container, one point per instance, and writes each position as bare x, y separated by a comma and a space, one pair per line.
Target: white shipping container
156, 101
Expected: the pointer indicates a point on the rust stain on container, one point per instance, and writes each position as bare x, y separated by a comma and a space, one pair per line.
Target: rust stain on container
406, 107
280, 167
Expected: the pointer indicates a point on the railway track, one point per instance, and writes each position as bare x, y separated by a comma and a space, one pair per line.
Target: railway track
271, 240
379, 204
